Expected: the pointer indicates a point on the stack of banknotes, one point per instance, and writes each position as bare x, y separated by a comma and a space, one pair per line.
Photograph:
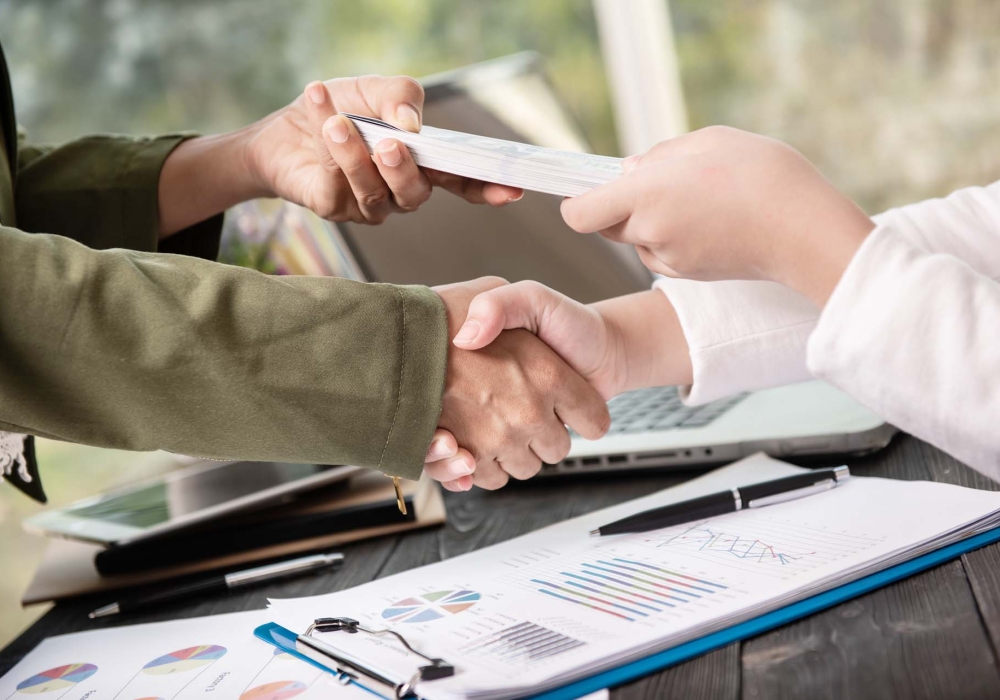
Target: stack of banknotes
522, 165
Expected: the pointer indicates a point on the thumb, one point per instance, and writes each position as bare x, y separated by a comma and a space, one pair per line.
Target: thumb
521, 305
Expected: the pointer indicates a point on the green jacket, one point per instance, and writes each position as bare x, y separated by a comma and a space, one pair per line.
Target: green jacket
105, 339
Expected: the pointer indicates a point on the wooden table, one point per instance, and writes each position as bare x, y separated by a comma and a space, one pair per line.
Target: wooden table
935, 635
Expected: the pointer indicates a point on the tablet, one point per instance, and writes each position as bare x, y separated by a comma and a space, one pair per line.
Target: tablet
173, 501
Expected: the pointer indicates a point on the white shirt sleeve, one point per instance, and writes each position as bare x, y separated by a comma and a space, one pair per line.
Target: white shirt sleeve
915, 337
746, 335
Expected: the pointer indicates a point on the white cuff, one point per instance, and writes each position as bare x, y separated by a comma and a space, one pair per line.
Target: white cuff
742, 335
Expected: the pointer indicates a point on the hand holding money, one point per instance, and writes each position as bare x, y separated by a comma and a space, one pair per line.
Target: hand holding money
310, 154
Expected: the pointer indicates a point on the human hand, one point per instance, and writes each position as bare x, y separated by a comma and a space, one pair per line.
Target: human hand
590, 343
617, 345
720, 203
508, 403
310, 154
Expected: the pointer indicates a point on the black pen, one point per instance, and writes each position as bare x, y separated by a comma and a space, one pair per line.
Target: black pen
236, 579
765, 493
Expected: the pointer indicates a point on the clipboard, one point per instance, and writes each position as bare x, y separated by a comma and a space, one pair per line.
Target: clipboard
286, 640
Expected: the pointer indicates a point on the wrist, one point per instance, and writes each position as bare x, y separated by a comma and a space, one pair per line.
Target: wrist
650, 347
250, 152
616, 364
815, 266
202, 177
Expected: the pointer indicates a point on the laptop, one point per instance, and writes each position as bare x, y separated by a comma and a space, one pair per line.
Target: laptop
448, 241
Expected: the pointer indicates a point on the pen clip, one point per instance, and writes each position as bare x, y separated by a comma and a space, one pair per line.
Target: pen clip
818, 487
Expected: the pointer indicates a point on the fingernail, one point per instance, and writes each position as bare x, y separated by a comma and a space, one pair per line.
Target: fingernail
439, 449
629, 163
518, 198
316, 92
468, 332
389, 153
408, 118
336, 129
459, 467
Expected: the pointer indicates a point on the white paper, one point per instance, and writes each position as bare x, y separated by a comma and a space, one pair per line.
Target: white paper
555, 605
216, 657
563, 173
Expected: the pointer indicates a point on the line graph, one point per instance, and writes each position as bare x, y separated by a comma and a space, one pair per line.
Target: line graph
759, 545
708, 538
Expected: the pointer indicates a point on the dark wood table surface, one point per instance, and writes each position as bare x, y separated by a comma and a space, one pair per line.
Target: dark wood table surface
934, 635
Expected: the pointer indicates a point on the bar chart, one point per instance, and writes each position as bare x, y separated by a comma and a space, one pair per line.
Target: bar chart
524, 643
628, 589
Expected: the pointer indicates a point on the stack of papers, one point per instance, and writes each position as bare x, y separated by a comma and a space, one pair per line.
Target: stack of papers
555, 606
179, 660
542, 610
563, 173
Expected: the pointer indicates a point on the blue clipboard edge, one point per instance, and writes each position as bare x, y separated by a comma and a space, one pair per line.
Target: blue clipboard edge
285, 640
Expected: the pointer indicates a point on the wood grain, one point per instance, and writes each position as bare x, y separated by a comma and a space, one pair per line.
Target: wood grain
715, 675
919, 638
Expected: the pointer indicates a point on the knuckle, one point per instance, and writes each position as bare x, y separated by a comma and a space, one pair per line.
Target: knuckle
494, 280
373, 199
410, 85
533, 288
494, 479
549, 373
532, 415
525, 470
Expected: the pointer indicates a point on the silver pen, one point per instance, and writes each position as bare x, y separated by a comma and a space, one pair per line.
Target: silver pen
236, 579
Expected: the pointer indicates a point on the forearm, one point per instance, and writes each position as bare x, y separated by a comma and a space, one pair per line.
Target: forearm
204, 176
649, 344
151, 351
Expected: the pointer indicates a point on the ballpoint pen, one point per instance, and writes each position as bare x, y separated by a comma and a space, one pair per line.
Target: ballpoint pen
236, 579
752, 496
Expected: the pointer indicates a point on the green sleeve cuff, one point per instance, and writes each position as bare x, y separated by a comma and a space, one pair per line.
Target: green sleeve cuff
423, 352
103, 191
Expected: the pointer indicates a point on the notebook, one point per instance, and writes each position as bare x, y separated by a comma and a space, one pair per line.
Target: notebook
365, 501
68, 568
555, 606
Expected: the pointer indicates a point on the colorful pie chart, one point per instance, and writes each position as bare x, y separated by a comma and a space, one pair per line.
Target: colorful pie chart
276, 690
430, 606
184, 660
58, 678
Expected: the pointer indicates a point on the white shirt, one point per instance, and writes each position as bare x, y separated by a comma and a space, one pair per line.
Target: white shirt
912, 330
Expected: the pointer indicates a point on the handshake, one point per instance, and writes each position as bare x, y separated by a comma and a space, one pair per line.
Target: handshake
525, 363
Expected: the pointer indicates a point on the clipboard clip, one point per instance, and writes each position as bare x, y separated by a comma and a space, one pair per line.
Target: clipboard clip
349, 668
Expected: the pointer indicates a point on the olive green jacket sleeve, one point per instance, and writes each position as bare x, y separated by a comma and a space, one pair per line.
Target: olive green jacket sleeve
144, 350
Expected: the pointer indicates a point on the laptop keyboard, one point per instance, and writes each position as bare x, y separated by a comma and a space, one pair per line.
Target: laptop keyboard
660, 408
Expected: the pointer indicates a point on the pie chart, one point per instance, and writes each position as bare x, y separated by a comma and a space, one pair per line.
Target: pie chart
58, 678
430, 606
184, 660
277, 690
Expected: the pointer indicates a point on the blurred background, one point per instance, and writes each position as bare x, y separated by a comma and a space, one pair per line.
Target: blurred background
895, 101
